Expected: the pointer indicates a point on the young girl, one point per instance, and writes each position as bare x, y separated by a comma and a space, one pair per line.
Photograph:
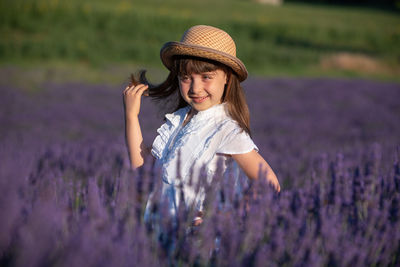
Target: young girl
210, 124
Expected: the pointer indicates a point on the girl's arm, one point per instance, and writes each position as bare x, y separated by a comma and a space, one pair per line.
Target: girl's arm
134, 139
251, 163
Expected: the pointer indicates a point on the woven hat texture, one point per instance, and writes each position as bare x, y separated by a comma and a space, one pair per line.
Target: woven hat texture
205, 42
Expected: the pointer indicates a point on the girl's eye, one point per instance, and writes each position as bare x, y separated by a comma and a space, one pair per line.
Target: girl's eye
206, 77
184, 78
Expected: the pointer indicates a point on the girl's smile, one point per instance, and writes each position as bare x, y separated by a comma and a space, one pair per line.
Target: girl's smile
198, 99
203, 90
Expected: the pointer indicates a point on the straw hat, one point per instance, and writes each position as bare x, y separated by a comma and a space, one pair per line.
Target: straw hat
205, 42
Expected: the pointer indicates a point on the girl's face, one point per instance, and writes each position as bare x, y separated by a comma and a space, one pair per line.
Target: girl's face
203, 90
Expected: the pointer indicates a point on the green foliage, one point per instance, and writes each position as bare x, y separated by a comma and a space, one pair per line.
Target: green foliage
292, 38
384, 4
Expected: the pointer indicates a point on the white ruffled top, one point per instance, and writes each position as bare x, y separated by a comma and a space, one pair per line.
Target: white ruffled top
208, 138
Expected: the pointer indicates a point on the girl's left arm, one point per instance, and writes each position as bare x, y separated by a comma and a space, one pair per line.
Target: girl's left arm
251, 163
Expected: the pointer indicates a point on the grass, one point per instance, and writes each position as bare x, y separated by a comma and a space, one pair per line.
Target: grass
287, 40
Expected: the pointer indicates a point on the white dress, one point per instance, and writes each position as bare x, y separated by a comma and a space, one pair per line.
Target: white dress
205, 142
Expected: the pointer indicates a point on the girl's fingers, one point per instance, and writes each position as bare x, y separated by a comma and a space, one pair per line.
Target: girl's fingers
134, 89
138, 90
141, 90
131, 86
126, 90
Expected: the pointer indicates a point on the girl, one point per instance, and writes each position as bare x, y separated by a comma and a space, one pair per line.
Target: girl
210, 124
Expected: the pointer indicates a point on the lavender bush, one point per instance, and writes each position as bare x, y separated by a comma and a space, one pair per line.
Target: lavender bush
68, 197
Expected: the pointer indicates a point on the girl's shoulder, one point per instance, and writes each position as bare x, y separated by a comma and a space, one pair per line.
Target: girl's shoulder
234, 139
223, 119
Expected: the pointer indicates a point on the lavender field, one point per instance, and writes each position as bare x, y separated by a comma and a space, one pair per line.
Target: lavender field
68, 197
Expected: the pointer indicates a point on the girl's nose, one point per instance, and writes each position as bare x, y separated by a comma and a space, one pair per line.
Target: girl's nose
195, 86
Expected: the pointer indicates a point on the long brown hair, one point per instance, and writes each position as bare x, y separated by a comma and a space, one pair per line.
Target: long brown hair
233, 96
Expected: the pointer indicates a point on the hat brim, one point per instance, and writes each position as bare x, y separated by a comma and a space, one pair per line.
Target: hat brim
171, 49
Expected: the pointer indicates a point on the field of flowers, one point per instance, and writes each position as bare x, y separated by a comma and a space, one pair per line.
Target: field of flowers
68, 197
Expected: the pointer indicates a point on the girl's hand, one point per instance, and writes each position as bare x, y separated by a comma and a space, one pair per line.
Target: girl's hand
198, 219
132, 99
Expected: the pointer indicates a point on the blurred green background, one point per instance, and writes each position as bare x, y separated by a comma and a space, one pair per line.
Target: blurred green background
104, 41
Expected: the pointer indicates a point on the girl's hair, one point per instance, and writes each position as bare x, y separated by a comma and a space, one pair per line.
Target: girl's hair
233, 95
